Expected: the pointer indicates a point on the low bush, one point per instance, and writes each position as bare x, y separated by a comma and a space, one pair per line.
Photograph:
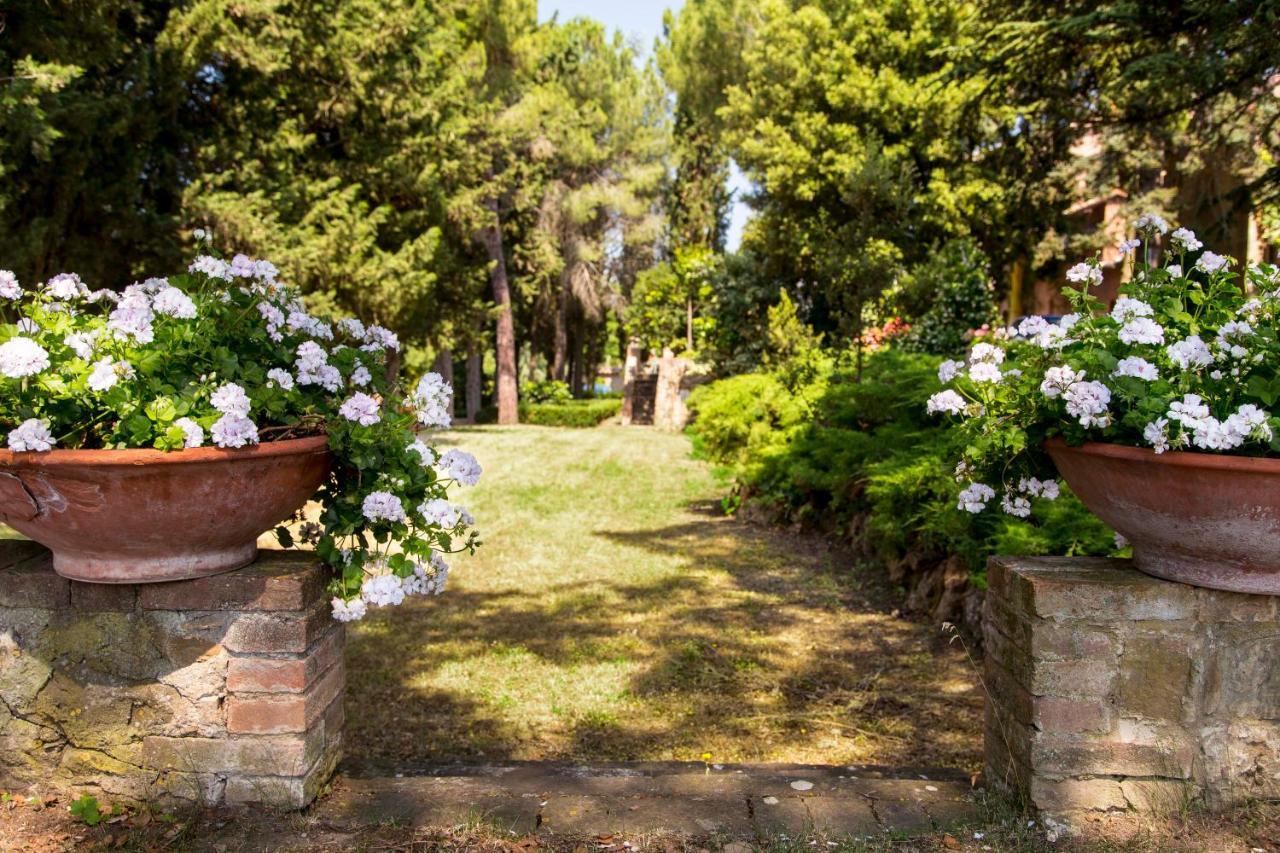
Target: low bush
864, 459
574, 413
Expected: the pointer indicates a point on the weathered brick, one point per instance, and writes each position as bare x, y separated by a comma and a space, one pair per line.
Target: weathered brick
283, 791
1159, 796
134, 702
255, 755
1155, 674
1218, 606
1063, 757
1057, 796
29, 580
1121, 592
288, 674
1082, 678
277, 633
280, 713
1069, 716
93, 597
279, 580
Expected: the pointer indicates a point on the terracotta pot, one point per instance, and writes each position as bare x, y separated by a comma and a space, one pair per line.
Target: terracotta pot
1198, 518
136, 516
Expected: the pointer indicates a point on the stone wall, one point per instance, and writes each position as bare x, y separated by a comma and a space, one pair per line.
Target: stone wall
219, 690
1110, 689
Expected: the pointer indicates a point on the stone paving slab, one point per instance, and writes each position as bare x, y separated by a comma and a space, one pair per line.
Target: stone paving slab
737, 801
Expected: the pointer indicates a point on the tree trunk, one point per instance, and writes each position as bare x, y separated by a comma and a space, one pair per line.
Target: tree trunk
561, 352
491, 237
475, 381
688, 325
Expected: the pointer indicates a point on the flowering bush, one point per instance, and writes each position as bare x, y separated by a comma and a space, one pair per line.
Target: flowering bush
1187, 358
226, 355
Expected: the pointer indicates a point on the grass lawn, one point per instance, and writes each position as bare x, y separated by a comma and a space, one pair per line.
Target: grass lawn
614, 614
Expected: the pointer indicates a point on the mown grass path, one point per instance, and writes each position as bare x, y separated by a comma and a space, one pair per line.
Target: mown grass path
614, 614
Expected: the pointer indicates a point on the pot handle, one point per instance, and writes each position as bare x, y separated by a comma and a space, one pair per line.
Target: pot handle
16, 501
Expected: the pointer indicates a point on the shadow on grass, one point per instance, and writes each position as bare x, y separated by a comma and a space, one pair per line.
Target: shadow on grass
758, 642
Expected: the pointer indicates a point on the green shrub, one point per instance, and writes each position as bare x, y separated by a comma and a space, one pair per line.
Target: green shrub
950, 294
837, 451
547, 391
574, 413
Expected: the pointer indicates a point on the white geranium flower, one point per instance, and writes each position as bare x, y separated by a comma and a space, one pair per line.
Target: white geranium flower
1150, 223
949, 370
984, 353
193, 431
1059, 379
21, 357
1174, 270
1088, 402
1213, 434
1185, 240
1190, 411
82, 343
132, 316
234, 431
349, 611
440, 512
461, 466
432, 400
9, 287
383, 506
32, 435
1190, 353
377, 339
1127, 308
1032, 326
1138, 368
280, 378
1142, 330
106, 373
1211, 263
1128, 246
1156, 434
352, 328
946, 401
172, 302
1251, 422
983, 371
1047, 489
1234, 331
1015, 505
361, 408
974, 497
230, 399
1083, 272
383, 590
360, 376
428, 455
66, 286
211, 266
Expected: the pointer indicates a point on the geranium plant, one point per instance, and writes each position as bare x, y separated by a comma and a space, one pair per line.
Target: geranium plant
1187, 358
226, 355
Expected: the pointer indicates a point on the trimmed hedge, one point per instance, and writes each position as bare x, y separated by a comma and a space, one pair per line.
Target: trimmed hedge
574, 413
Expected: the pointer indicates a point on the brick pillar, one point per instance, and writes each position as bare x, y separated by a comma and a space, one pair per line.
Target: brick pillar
1111, 689
226, 689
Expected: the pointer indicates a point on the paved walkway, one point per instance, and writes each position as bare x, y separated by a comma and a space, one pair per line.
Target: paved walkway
745, 802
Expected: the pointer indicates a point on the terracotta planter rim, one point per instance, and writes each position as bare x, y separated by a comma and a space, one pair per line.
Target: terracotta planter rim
151, 456
1172, 458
